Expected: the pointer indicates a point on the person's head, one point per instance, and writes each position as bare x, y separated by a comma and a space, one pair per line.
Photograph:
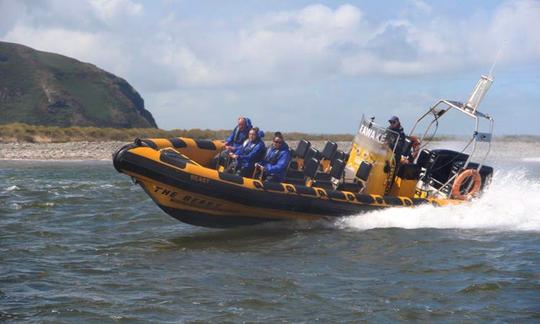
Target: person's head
278, 134
253, 133
277, 142
242, 123
394, 122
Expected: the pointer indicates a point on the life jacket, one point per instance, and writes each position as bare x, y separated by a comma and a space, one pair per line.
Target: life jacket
248, 146
273, 155
236, 137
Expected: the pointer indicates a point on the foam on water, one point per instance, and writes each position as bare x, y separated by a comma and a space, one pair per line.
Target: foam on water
510, 204
531, 159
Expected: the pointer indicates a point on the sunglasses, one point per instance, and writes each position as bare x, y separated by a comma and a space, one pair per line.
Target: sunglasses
278, 142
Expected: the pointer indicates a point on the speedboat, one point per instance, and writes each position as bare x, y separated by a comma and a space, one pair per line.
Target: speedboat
381, 170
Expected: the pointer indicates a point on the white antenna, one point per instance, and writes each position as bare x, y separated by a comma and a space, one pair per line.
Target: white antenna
497, 56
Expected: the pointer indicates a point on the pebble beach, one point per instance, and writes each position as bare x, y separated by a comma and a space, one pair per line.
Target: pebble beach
59, 151
84, 150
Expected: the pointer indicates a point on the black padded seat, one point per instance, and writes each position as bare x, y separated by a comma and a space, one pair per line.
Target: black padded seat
302, 148
329, 150
339, 155
311, 167
326, 180
337, 169
312, 153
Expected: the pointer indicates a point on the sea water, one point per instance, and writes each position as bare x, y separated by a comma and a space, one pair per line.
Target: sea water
80, 243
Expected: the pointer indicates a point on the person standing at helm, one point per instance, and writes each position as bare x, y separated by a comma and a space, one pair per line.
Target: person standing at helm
395, 126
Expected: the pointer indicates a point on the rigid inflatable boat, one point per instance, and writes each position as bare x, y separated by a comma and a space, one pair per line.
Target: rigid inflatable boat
381, 170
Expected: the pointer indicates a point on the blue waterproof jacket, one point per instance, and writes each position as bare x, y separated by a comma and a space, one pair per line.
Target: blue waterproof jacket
250, 153
238, 137
276, 161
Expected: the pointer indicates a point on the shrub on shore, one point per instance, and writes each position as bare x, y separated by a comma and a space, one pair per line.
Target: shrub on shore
19, 132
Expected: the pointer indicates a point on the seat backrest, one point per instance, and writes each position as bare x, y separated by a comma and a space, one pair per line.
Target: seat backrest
302, 148
311, 166
312, 153
337, 169
292, 162
329, 150
363, 171
340, 155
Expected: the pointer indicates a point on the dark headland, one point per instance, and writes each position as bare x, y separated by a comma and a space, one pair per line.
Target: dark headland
41, 88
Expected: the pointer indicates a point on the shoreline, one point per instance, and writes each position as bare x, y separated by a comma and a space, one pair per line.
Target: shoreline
50, 152
102, 151
85, 151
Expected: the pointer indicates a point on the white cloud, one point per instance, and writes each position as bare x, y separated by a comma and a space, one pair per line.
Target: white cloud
316, 41
162, 51
109, 9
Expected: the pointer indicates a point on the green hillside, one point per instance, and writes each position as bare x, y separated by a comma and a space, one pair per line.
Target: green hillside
41, 88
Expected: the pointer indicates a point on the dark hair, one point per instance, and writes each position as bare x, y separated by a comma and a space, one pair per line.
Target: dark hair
278, 134
256, 129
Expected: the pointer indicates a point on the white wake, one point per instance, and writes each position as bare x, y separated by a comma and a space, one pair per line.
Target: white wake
512, 203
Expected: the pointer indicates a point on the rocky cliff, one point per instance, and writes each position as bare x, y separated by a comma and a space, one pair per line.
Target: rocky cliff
43, 88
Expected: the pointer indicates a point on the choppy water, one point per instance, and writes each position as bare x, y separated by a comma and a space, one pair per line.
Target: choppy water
80, 243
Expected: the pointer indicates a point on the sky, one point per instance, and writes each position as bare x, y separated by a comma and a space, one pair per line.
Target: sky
296, 65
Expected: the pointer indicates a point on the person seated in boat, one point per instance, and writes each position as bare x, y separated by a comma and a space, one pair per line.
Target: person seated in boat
276, 160
237, 137
251, 152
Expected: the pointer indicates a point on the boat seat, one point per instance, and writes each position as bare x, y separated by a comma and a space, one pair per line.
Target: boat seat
293, 164
329, 150
298, 155
302, 148
311, 167
312, 153
331, 179
340, 155
337, 169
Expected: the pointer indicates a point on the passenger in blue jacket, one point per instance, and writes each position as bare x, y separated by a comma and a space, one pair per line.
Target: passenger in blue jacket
251, 152
237, 137
276, 160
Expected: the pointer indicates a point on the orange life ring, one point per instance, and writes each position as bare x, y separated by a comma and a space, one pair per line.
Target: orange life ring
461, 178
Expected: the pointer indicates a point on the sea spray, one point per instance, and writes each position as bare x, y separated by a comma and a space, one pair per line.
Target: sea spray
511, 203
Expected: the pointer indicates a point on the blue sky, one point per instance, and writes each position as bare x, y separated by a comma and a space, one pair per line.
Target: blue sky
298, 65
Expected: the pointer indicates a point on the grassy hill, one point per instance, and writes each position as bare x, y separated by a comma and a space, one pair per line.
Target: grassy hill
41, 88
